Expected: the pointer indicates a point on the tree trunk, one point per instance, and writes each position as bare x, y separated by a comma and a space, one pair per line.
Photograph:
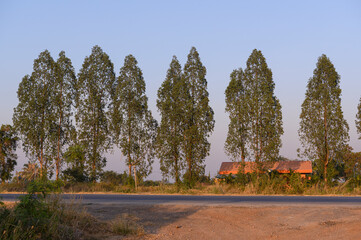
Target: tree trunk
41, 160
58, 154
129, 140
135, 178
129, 158
326, 160
243, 160
190, 164
95, 146
59, 132
95, 139
176, 172
130, 170
325, 172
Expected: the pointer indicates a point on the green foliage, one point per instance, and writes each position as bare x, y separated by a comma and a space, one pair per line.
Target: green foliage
237, 107
271, 183
114, 178
264, 110
44, 187
42, 117
187, 121
199, 117
134, 128
32, 217
355, 181
255, 115
358, 119
170, 132
63, 97
30, 172
75, 159
75, 175
40, 215
151, 183
94, 89
352, 163
33, 116
8, 157
170, 104
191, 182
75, 156
335, 170
323, 130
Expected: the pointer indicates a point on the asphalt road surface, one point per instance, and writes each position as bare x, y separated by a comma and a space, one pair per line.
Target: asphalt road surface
205, 200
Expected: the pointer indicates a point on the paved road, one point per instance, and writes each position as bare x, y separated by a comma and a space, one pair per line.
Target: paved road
206, 200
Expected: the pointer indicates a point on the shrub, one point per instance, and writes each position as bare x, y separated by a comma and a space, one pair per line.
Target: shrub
126, 225
75, 175
113, 177
31, 217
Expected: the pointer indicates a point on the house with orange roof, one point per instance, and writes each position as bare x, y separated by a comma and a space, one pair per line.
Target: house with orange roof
302, 167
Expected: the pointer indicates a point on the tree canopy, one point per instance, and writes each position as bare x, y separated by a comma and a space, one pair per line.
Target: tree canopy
255, 114
63, 97
132, 123
323, 130
199, 116
95, 84
34, 115
8, 157
237, 108
170, 138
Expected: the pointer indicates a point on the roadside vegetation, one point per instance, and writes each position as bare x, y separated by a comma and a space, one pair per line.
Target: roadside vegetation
251, 183
41, 214
66, 122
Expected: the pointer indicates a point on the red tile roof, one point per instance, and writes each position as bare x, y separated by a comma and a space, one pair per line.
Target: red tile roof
281, 167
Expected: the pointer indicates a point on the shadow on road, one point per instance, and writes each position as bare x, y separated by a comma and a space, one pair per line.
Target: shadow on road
151, 217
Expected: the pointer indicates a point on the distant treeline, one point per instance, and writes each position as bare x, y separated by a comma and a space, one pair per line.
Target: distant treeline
68, 121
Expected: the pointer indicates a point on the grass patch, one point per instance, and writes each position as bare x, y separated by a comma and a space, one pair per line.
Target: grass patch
247, 184
126, 225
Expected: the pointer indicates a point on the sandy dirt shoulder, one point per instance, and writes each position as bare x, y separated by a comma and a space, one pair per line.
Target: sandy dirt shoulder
229, 222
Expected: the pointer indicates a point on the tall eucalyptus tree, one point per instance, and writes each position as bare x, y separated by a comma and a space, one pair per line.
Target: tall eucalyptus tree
63, 93
264, 111
33, 117
95, 86
237, 107
170, 104
134, 128
323, 130
199, 116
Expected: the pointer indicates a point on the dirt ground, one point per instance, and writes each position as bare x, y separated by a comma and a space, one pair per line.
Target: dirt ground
225, 222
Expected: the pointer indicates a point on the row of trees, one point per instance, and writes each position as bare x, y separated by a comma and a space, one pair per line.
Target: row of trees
61, 116
255, 116
67, 118
187, 120
255, 126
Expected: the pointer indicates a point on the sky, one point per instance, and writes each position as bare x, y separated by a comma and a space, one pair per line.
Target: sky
290, 34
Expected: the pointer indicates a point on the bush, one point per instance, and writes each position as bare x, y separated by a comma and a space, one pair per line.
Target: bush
113, 177
126, 225
150, 183
75, 175
32, 217
40, 215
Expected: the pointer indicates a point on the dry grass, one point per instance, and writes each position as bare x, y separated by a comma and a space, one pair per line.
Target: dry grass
66, 221
125, 225
252, 188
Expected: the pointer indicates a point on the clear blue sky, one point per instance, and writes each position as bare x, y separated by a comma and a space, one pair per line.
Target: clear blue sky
291, 35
